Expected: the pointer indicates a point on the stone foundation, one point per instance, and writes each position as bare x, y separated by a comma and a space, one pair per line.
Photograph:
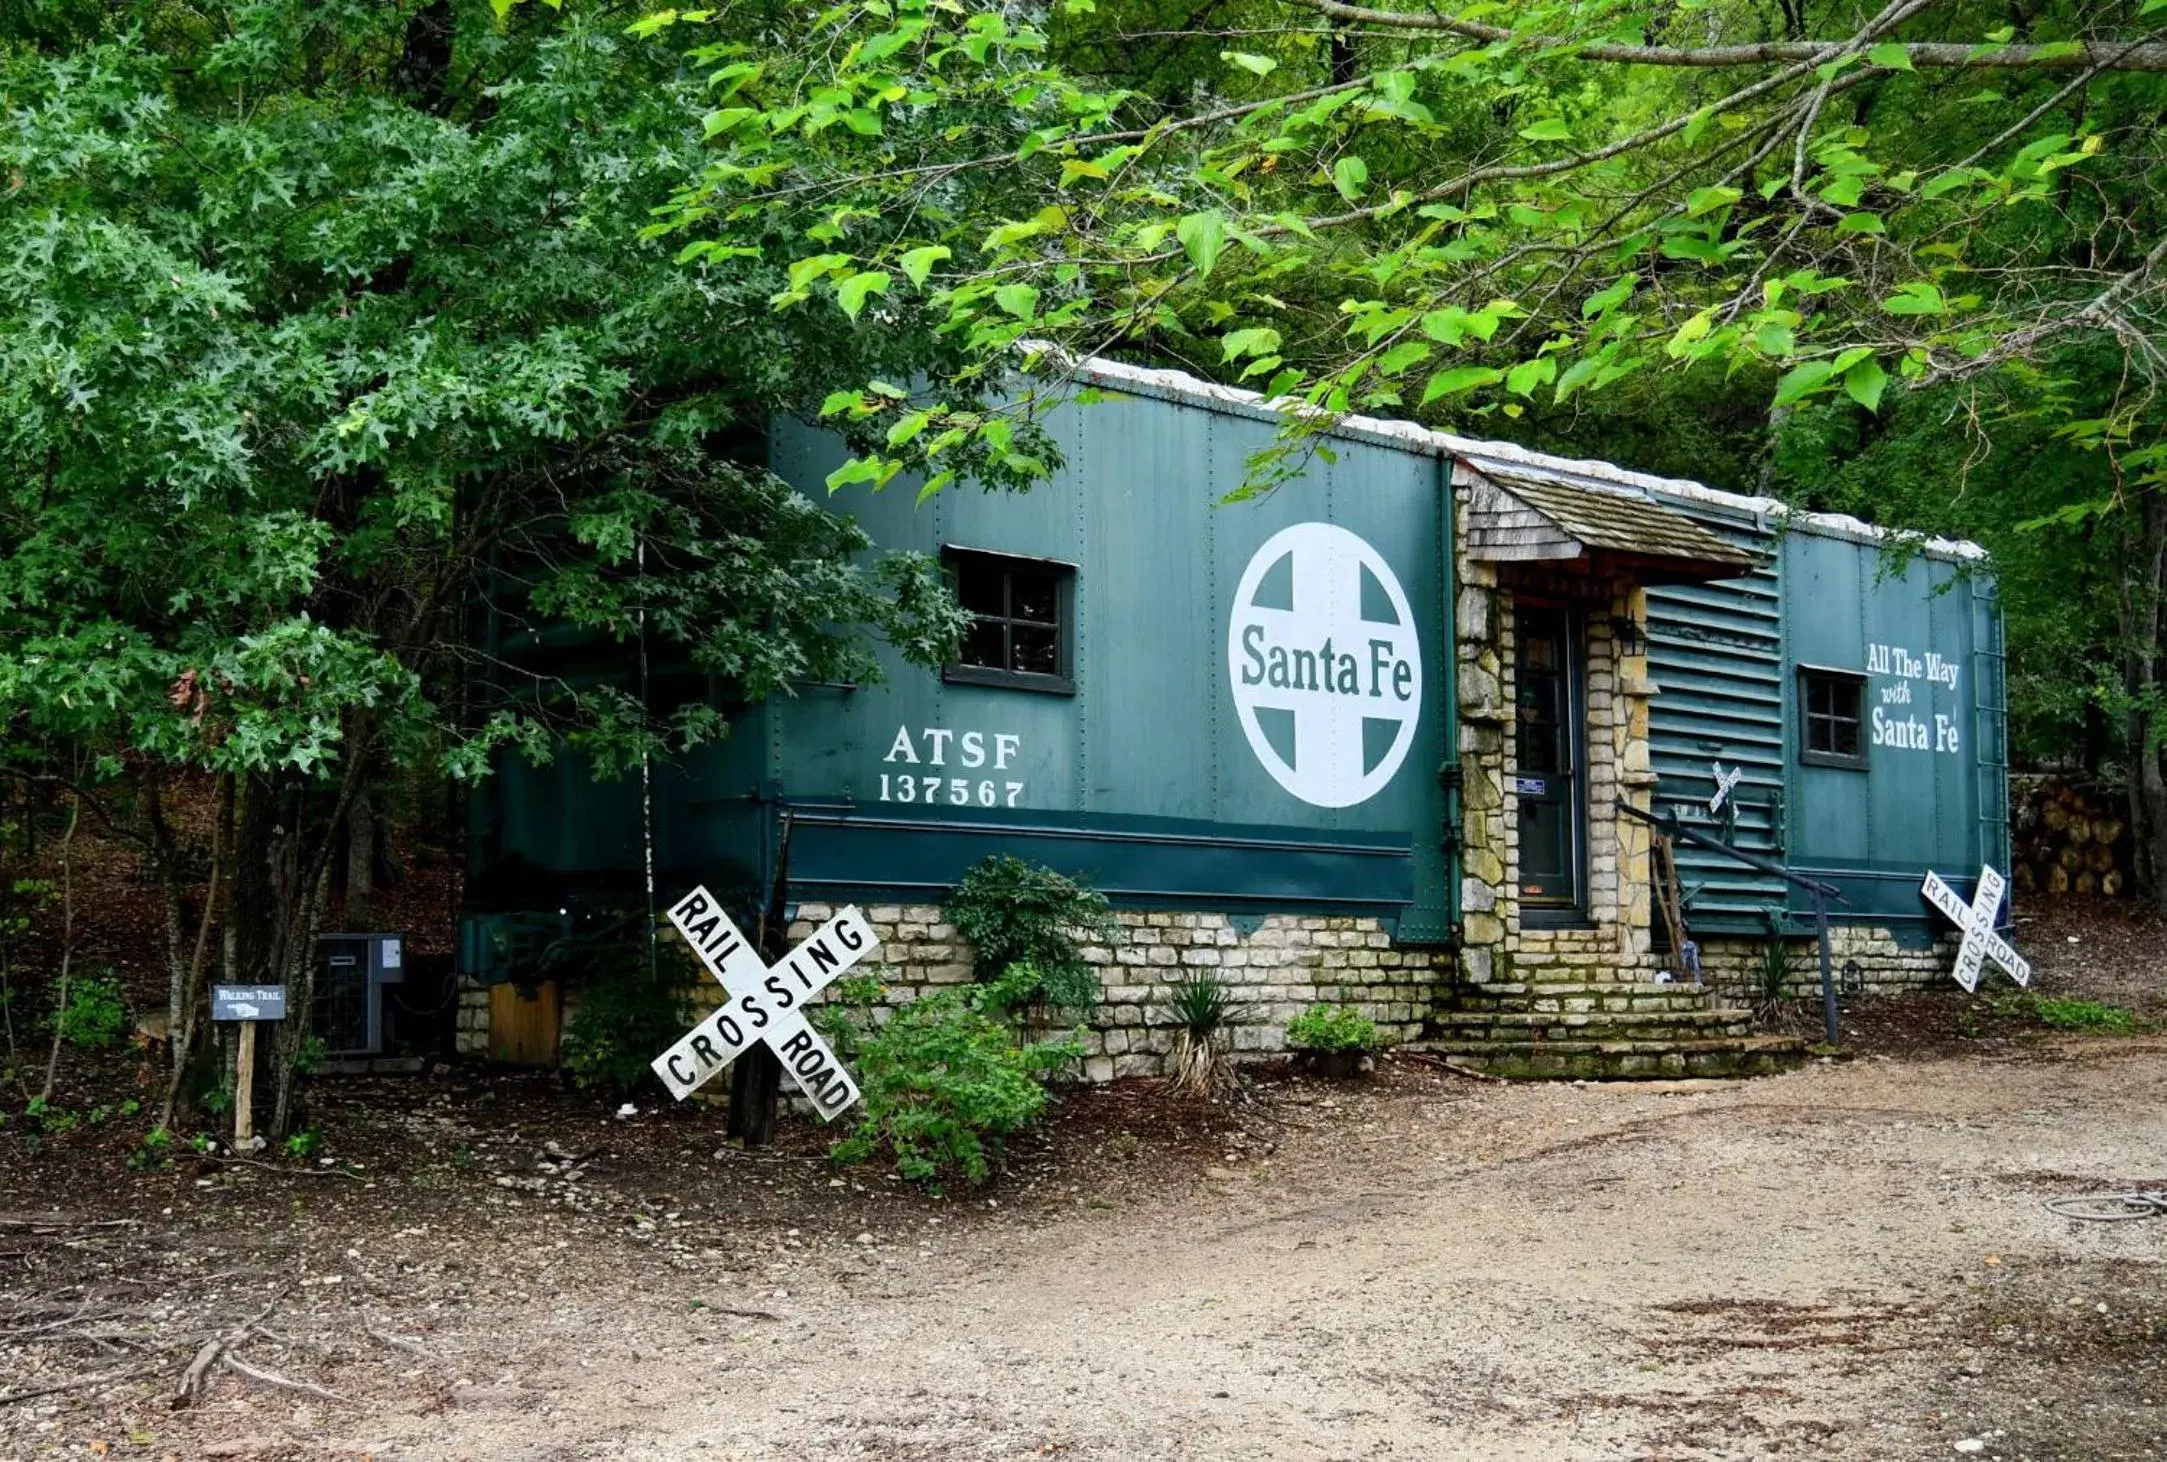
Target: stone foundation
1733, 964
1276, 966
472, 1035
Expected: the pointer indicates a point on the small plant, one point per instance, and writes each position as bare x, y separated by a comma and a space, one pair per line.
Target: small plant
1019, 914
218, 1101
1327, 1029
1201, 1008
944, 1082
202, 1144
95, 1015
155, 1151
310, 1059
304, 1143
1771, 973
2092, 1017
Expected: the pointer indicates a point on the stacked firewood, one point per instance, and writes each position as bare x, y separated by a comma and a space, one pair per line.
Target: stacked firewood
2068, 837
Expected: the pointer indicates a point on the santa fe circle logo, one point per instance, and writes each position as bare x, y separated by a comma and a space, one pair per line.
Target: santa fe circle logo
1325, 663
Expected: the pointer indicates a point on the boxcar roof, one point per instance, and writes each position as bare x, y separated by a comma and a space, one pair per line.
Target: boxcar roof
1503, 458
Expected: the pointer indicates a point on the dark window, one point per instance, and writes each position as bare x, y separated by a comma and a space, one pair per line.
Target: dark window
1023, 614
1831, 702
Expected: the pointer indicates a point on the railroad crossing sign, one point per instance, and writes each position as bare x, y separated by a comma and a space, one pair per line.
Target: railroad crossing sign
1725, 782
1981, 943
765, 1002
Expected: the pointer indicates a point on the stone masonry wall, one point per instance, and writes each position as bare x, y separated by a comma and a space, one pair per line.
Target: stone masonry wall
1884, 965
472, 1035
1276, 965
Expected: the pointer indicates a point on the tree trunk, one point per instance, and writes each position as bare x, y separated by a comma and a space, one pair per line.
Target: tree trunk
360, 863
67, 945
165, 856
191, 983
2141, 608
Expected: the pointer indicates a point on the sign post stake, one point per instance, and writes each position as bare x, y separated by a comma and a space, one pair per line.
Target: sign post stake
244, 1087
249, 1006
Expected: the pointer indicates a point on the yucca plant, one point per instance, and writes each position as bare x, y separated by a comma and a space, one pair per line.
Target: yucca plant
1771, 974
1201, 1009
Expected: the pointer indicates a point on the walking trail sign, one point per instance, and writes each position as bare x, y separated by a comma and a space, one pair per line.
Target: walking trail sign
764, 1002
1981, 943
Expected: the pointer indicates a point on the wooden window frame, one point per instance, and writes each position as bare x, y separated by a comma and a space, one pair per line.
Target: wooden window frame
1808, 755
1063, 625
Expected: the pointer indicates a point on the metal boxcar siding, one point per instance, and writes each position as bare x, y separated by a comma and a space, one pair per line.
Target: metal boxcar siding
1715, 653
1872, 832
1142, 780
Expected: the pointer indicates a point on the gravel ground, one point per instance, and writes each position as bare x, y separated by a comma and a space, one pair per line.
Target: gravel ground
1847, 1262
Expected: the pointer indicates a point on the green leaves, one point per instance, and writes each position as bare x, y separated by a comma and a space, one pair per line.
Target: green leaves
1549, 129
1350, 176
1707, 200
1202, 235
1457, 380
1864, 382
851, 293
1916, 297
917, 264
1260, 340
1891, 55
1253, 64
1604, 300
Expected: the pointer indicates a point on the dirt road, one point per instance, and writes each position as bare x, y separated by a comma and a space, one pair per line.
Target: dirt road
1848, 1262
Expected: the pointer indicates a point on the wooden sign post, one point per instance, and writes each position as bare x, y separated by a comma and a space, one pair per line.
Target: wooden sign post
247, 1004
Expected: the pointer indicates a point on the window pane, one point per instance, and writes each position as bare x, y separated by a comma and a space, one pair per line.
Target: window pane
979, 586
986, 644
1845, 737
1037, 596
1037, 650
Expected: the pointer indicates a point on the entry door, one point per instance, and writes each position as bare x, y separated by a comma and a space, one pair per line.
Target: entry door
1553, 807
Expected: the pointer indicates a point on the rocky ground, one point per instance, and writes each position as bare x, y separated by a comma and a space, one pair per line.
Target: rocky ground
1847, 1262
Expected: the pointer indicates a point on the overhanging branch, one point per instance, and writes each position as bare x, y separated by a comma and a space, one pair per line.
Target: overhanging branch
2058, 56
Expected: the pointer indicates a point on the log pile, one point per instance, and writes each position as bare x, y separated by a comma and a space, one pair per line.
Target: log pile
2069, 837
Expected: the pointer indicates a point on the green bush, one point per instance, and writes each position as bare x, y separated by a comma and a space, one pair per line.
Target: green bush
630, 1009
945, 1081
95, 1014
1331, 1028
1017, 914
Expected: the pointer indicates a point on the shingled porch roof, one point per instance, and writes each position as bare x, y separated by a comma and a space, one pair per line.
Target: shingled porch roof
1516, 519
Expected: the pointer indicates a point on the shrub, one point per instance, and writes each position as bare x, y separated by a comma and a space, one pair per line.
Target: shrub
631, 1008
1200, 1008
944, 1082
1020, 914
95, 1015
1327, 1028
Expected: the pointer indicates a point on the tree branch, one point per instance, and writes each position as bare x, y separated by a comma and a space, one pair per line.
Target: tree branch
2059, 56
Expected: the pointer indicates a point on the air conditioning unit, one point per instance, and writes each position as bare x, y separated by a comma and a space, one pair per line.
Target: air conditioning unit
352, 970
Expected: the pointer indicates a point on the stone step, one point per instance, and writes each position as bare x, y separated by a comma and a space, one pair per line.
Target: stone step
1591, 1025
1625, 1060
1580, 997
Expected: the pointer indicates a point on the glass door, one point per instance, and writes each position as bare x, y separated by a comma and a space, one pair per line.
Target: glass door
1553, 809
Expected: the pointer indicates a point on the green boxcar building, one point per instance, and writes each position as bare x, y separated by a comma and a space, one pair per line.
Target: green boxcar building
1362, 737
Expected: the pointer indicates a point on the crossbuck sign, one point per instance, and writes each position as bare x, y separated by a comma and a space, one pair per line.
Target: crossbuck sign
1981, 943
765, 1002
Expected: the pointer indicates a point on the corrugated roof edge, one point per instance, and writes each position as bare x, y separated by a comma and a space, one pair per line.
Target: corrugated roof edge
1181, 386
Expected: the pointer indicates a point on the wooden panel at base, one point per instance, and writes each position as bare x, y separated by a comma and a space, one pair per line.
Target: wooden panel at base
523, 1029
